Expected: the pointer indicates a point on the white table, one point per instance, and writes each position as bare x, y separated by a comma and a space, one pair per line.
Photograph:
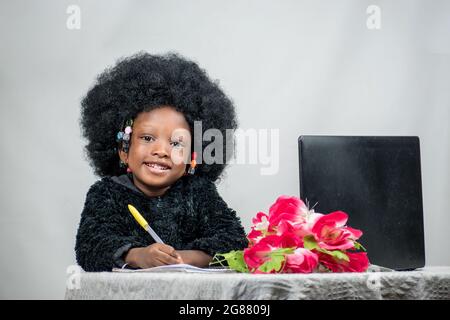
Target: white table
426, 283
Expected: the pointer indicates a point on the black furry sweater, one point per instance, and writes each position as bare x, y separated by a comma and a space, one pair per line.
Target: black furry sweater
191, 215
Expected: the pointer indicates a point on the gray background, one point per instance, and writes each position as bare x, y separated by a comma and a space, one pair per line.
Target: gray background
305, 67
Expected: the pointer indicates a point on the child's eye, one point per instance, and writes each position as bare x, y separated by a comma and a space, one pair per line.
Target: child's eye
147, 138
177, 144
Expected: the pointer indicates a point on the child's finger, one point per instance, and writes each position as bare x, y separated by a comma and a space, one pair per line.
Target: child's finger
176, 255
165, 248
170, 251
167, 258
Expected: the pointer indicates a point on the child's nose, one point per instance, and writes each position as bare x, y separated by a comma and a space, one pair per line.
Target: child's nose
160, 149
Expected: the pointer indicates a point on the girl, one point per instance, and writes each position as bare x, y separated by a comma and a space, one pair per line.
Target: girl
138, 120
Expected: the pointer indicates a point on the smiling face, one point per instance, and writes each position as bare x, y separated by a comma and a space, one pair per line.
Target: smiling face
159, 148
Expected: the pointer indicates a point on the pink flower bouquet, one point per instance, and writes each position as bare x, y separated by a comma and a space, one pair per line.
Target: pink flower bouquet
294, 239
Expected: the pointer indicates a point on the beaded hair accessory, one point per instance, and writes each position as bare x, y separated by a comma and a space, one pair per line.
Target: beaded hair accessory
193, 163
125, 135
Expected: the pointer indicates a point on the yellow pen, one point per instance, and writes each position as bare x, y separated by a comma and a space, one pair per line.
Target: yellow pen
143, 223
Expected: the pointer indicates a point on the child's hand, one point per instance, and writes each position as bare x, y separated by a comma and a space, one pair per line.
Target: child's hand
154, 255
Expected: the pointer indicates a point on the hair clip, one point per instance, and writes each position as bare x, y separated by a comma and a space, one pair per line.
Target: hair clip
125, 135
193, 163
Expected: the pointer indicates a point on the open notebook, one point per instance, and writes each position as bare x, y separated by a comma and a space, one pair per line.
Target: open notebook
177, 268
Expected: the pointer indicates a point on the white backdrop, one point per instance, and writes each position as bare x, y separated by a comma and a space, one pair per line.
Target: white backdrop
305, 67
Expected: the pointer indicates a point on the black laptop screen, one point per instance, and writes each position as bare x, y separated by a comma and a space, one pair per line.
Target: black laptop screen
377, 182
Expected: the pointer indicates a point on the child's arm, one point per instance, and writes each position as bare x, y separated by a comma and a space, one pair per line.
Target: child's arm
103, 235
196, 258
159, 254
154, 255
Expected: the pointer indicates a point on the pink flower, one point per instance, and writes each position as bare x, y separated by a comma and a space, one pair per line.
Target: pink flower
290, 214
259, 229
294, 239
286, 208
289, 240
301, 261
302, 228
260, 252
331, 234
254, 236
261, 221
358, 262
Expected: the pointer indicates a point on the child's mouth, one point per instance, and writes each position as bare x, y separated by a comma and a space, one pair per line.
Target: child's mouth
157, 167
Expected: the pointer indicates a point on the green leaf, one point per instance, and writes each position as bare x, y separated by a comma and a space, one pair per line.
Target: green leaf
274, 263
340, 255
359, 246
276, 260
282, 251
310, 243
235, 260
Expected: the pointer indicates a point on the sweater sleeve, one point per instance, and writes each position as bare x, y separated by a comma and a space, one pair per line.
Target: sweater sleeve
219, 228
102, 233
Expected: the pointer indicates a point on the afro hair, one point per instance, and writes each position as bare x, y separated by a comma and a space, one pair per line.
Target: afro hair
143, 82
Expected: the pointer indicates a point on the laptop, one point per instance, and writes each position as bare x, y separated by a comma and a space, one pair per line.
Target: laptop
376, 180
